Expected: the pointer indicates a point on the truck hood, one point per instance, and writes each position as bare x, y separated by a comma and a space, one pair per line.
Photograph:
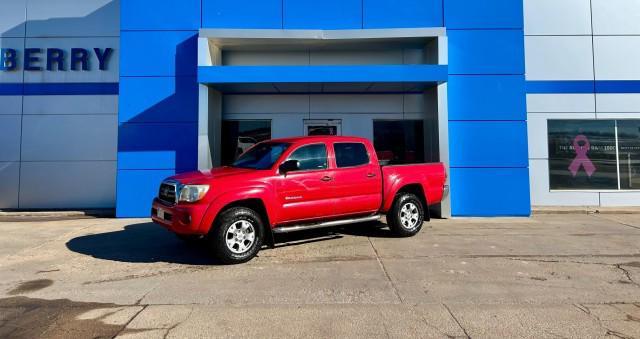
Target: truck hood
198, 177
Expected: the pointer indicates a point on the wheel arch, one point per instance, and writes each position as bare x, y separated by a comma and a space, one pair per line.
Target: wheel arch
417, 190
259, 207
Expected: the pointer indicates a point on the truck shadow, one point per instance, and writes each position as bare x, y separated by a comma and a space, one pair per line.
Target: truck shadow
149, 243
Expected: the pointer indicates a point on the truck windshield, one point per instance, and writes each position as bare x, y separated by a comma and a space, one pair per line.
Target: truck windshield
261, 156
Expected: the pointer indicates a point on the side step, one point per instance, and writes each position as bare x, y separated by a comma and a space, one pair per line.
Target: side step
288, 229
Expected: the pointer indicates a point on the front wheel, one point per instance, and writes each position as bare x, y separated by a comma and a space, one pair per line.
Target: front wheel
237, 235
406, 215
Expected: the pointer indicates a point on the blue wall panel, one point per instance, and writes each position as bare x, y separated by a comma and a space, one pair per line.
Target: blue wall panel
490, 192
487, 97
136, 190
160, 15
321, 73
325, 14
402, 13
486, 52
158, 105
159, 53
474, 14
160, 139
158, 99
241, 14
488, 144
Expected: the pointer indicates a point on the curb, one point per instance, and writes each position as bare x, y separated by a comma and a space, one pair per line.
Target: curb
585, 210
94, 213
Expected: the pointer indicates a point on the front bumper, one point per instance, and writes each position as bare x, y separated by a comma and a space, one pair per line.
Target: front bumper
181, 219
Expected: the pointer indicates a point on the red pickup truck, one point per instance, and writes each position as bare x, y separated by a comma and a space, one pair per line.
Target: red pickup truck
293, 184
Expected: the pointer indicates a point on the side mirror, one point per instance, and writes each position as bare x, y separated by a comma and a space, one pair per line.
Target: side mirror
288, 166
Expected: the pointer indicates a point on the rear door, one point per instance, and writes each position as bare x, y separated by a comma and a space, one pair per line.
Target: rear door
307, 193
357, 182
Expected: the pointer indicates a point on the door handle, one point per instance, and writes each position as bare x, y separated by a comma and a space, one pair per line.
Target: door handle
371, 175
326, 178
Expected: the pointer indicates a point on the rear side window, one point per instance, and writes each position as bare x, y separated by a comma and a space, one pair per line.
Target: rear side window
351, 154
312, 157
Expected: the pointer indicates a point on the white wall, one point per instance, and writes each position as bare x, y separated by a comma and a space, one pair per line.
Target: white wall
59, 151
357, 111
562, 42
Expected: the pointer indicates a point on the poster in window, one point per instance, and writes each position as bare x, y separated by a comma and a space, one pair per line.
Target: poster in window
629, 153
582, 154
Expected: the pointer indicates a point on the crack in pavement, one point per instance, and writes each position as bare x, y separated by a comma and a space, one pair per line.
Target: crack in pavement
124, 327
617, 222
166, 334
457, 321
384, 269
177, 270
426, 322
627, 274
609, 332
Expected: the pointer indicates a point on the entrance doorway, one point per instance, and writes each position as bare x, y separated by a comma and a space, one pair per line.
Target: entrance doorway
323, 127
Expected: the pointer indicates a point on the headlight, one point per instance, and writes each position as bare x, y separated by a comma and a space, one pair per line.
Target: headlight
193, 193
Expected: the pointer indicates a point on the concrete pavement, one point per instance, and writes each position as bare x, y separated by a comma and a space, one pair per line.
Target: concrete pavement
565, 275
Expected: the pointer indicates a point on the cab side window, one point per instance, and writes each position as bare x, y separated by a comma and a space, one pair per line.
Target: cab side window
311, 157
350, 154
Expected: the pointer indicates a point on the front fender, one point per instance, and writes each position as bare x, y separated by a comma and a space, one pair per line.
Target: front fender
264, 194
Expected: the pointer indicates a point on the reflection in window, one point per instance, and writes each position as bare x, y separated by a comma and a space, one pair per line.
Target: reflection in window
399, 141
350, 154
582, 154
312, 157
239, 135
629, 153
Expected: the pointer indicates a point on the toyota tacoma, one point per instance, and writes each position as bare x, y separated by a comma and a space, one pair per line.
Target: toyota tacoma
293, 184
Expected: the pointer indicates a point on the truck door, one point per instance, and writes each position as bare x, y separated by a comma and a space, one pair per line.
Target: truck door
357, 182
306, 193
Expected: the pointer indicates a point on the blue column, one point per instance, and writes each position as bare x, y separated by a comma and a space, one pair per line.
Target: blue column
158, 112
487, 109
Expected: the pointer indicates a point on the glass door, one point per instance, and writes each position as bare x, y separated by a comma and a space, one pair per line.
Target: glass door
323, 127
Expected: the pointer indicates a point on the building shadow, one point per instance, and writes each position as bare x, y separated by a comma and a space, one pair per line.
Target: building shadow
150, 243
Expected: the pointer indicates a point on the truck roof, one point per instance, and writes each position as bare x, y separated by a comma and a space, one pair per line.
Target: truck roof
324, 138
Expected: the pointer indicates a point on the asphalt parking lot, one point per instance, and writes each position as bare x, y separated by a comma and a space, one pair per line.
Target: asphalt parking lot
566, 275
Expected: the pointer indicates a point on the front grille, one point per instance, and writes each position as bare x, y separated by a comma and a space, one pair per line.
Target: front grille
167, 192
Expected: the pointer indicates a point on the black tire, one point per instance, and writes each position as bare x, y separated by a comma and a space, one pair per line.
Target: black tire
401, 223
236, 217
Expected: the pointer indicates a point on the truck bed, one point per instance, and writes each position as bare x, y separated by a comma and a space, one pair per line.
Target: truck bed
431, 176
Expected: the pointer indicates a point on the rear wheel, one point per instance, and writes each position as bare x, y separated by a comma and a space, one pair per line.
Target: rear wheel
406, 215
237, 235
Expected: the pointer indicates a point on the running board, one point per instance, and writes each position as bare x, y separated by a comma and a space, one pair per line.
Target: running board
288, 229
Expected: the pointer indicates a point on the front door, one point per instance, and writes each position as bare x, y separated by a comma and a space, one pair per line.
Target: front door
323, 127
307, 193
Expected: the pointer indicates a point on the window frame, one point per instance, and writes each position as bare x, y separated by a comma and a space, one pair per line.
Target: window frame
335, 154
591, 190
326, 149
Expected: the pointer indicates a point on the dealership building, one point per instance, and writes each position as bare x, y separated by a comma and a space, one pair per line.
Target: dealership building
528, 103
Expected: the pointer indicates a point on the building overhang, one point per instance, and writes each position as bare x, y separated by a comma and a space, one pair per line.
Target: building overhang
305, 75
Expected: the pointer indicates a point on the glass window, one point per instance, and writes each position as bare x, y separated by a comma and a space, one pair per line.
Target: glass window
629, 153
239, 135
351, 154
582, 154
311, 157
399, 141
263, 156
